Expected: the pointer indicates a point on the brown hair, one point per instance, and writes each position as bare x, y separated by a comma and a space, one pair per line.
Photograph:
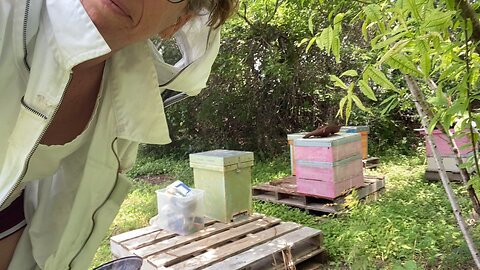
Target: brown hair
220, 10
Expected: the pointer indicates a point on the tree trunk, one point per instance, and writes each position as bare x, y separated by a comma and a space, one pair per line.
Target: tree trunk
453, 145
422, 111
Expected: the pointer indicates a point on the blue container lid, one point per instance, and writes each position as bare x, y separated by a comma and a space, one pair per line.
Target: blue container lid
354, 129
334, 140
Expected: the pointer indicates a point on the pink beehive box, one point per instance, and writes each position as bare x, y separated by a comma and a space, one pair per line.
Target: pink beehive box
328, 149
337, 171
329, 190
441, 140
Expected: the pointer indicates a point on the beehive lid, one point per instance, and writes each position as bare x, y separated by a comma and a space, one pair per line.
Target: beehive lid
336, 139
354, 129
220, 158
295, 136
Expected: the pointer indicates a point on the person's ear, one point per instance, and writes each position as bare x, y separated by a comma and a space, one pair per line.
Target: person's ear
172, 29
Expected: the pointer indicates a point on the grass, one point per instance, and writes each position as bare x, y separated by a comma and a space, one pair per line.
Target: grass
410, 226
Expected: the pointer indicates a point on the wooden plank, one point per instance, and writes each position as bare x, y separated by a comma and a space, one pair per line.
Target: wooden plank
253, 257
372, 185
371, 162
153, 237
301, 203
179, 254
142, 242
218, 227
133, 234
287, 187
316, 257
218, 254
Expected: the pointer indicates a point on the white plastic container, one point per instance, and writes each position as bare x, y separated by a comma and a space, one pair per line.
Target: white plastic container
178, 214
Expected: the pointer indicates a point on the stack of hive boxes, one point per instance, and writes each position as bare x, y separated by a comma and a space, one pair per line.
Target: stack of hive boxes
449, 161
329, 166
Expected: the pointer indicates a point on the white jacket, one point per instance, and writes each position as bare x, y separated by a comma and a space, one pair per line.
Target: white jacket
40, 42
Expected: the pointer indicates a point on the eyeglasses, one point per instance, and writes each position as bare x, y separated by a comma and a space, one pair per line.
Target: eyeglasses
175, 1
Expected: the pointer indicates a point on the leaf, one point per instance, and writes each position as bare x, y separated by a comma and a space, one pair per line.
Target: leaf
404, 64
310, 43
442, 98
337, 23
389, 40
391, 102
425, 62
329, 41
342, 104
379, 77
365, 30
412, 6
433, 123
451, 72
438, 21
373, 12
359, 103
310, 24
319, 44
348, 110
350, 73
336, 49
395, 49
323, 39
338, 18
366, 90
338, 82
303, 41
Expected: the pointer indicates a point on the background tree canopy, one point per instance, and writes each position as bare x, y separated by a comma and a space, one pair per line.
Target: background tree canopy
265, 85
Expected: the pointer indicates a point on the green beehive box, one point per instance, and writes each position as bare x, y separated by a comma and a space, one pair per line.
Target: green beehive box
225, 176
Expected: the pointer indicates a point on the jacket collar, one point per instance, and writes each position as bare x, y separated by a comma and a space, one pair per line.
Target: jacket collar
137, 103
75, 37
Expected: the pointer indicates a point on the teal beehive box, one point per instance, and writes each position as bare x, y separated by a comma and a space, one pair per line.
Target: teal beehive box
226, 177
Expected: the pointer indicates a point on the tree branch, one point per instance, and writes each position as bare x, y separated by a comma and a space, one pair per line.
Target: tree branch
469, 13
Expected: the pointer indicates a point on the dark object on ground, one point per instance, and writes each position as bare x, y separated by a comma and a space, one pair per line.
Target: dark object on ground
126, 263
323, 131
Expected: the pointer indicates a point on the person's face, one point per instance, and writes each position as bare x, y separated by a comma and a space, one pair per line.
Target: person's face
123, 22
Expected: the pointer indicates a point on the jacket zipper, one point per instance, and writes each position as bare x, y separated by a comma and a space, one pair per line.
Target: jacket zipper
29, 156
25, 25
100, 206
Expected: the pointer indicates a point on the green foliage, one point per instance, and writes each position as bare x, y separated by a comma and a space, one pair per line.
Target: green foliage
264, 86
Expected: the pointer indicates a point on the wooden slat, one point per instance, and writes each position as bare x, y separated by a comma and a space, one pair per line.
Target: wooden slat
256, 254
133, 234
371, 162
183, 252
157, 235
218, 254
175, 242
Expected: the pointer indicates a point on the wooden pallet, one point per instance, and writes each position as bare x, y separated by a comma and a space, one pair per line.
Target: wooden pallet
371, 163
284, 191
433, 176
257, 242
